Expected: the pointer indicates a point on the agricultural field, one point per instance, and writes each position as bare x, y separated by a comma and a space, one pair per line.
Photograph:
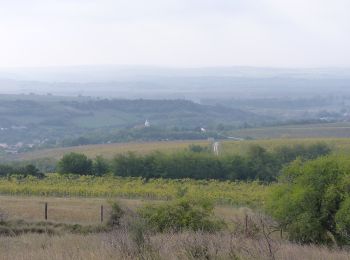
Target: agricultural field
230, 193
338, 145
325, 130
110, 150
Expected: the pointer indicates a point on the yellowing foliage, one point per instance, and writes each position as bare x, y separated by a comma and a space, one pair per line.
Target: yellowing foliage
234, 193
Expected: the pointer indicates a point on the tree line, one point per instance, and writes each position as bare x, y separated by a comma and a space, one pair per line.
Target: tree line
196, 162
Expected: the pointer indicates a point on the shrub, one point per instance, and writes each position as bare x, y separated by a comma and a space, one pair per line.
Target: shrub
30, 170
311, 202
198, 148
20, 171
115, 216
286, 154
182, 214
342, 219
5, 170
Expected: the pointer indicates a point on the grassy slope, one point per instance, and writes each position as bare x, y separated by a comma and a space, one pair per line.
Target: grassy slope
109, 150
327, 130
339, 145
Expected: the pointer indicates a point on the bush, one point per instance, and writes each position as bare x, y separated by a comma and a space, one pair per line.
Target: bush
286, 154
20, 171
198, 148
115, 215
6, 170
182, 214
312, 200
29, 170
75, 163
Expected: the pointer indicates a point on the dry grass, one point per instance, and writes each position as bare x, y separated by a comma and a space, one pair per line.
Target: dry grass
81, 210
120, 245
125, 243
63, 210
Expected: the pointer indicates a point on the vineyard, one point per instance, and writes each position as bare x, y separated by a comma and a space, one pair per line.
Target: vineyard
231, 193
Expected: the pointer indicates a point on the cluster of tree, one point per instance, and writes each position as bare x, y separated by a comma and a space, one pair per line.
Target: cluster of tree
23, 171
197, 162
76, 163
312, 201
257, 164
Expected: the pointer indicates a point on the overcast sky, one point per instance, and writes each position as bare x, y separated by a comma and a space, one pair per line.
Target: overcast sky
185, 33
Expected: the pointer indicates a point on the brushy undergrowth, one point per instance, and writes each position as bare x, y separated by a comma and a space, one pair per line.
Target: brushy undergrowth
182, 214
19, 227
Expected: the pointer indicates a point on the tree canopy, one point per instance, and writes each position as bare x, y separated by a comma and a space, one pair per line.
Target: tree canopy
312, 201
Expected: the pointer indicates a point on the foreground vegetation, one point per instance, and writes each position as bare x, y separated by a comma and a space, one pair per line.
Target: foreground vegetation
152, 233
312, 201
187, 245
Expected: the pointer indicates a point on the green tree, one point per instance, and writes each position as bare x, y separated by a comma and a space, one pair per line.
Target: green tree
311, 201
100, 166
261, 164
31, 170
75, 163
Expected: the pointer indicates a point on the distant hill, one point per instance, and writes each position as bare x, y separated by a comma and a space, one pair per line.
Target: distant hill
50, 119
162, 82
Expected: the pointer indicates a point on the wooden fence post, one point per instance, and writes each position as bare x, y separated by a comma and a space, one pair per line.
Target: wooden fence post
246, 224
45, 210
101, 213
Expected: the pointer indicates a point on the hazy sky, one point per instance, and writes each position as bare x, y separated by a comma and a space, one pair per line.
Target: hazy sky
288, 33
